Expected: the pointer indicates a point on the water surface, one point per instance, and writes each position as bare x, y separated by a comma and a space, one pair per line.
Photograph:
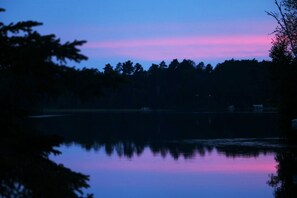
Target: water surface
212, 174
175, 154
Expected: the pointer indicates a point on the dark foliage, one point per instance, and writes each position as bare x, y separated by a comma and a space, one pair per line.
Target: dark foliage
284, 61
30, 65
285, 180
185, 85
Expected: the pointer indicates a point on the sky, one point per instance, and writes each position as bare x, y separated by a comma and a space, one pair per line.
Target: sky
149, 31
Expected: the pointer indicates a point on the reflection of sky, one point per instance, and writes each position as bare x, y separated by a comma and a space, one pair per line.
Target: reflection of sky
120, 23
149, 175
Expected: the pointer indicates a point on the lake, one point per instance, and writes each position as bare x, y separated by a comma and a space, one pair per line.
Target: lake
174, 154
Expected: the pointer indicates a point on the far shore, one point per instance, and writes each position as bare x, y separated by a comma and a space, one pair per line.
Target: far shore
90, 110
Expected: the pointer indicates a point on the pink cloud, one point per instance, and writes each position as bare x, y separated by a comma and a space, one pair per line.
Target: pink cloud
183, 41
154, 29
198, 47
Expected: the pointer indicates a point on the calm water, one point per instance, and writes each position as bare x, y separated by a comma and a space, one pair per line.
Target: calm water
151, 175
174, 154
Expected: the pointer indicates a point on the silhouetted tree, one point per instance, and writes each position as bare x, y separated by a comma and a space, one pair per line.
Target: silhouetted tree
119, 68
208, 68
138, 69
29, 64
127, 68
200, 67
108, 69
283, 54
286, 17
163, 65
173, 65
153, 70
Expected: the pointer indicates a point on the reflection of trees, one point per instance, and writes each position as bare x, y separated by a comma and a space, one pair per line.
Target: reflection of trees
285, 181
177, 149
26, 170
128, 149
127, 134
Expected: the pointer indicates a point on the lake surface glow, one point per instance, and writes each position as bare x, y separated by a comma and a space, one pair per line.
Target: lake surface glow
176, 154
152, 175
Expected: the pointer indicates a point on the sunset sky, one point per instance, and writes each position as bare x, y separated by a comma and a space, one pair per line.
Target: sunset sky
151, 31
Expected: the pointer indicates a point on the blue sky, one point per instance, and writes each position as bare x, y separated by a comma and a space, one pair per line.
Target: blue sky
151, 31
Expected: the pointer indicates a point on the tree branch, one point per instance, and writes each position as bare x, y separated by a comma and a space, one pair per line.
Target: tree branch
285, 25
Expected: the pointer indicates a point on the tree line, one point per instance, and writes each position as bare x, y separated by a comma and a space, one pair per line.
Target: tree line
189, 86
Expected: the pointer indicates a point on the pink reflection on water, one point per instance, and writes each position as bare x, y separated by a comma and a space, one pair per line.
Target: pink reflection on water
212, 175
212, 162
